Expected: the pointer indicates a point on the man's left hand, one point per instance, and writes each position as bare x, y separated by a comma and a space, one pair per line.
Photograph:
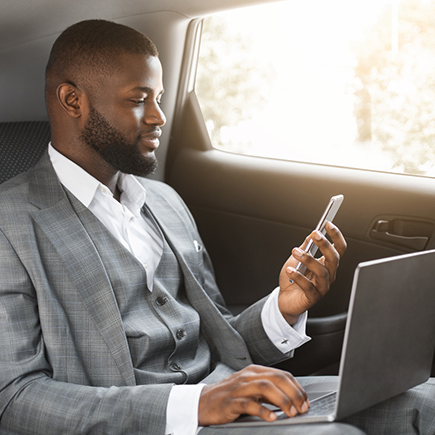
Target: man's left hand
300, 292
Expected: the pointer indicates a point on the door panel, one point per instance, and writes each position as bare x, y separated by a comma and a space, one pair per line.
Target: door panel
252, 211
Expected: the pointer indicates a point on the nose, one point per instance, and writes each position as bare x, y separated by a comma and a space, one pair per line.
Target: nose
154, 115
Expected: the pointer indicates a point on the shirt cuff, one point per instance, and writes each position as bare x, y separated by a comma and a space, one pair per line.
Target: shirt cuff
182, 410
285, 337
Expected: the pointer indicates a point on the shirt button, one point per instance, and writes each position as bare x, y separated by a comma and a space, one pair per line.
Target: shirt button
181, 333
161, 300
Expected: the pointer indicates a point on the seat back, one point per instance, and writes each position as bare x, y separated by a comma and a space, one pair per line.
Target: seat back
21, 146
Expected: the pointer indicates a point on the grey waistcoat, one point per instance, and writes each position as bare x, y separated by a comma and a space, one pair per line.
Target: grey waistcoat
162, 328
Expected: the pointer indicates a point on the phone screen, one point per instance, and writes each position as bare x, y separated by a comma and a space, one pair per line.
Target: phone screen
328, 215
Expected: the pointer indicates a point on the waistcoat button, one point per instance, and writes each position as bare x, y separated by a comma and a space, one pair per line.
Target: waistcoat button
161, 300
175, 366
181, 333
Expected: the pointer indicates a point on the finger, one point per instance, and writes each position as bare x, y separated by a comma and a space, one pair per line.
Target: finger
337, 238
331, 257
314, 287
277, 387
293, 390
331, 252
313, 292
292, 261
251, 406
305, 242
270, 392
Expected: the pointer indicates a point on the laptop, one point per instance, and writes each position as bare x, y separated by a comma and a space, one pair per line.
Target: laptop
388, 344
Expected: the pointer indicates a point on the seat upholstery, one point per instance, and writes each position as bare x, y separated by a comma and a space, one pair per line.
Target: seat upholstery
21, 146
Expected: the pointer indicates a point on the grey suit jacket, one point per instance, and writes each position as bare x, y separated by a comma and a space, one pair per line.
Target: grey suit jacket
65, 365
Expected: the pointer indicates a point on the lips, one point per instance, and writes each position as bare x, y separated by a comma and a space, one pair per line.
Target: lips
151, 139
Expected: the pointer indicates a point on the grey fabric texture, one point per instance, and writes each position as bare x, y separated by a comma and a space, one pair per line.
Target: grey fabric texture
66, 366
409, 413
159, 354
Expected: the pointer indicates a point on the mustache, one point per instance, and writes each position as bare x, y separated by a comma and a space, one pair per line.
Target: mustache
153, 133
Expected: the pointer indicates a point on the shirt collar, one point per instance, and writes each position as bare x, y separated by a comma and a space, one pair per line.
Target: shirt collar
133, 194
84, 186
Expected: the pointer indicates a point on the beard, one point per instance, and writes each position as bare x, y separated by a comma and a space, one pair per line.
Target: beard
114, 147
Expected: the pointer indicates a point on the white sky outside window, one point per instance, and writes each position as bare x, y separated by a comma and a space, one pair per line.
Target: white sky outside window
304, 53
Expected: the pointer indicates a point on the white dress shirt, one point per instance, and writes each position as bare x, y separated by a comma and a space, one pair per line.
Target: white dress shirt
131, 227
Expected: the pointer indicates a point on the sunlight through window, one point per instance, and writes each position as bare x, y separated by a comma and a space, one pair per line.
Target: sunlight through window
346, 83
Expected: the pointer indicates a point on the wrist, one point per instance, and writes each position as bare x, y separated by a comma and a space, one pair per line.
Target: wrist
290, 319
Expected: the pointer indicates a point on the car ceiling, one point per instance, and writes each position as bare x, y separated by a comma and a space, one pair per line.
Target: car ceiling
23, 21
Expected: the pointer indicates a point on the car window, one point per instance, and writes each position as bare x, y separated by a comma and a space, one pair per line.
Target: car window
338, 82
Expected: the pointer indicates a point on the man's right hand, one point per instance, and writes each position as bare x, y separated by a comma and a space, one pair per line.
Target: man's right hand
244, 392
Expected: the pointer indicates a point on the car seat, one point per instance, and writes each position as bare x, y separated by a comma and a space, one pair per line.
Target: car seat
21, 146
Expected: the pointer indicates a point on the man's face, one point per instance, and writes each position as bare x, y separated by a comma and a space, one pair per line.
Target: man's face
124, 119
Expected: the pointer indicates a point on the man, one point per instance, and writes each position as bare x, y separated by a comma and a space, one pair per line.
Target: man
111, 319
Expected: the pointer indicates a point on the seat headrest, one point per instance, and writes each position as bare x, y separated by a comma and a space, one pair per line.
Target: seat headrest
21, 146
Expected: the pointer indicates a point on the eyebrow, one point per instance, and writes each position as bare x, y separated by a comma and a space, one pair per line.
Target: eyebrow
146, 90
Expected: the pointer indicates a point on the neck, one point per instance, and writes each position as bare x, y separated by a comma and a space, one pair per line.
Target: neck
90, 161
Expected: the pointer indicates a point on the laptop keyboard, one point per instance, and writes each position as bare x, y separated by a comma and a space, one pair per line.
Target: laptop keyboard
324, 405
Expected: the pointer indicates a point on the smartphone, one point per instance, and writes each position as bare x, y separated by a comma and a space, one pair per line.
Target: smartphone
328, 215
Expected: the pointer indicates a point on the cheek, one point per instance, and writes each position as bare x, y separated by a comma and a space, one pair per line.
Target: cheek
128, 123
138, 114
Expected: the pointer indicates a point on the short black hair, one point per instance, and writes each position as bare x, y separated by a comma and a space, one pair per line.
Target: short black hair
88, 49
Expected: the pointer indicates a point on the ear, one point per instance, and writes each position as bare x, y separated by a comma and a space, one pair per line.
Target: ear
71, 99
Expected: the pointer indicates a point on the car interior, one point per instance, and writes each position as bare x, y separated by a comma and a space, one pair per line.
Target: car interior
251, 210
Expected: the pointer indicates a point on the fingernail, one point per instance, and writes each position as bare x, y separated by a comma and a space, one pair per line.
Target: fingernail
317, 235
291, 269
298, 253
273, 416
304, 407
293, 411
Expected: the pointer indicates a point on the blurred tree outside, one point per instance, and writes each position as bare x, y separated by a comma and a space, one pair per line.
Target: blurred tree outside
231, 83
395, 86
262, 97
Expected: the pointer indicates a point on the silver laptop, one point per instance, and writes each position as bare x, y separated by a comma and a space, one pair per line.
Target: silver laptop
388, 344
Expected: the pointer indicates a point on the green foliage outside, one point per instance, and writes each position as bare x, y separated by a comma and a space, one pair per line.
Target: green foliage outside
230, 83
394, 89
395, 104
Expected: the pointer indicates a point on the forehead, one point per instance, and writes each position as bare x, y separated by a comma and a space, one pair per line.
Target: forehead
134, 72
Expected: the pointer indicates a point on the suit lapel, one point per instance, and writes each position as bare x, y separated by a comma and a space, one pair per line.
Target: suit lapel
62, 226
222, 337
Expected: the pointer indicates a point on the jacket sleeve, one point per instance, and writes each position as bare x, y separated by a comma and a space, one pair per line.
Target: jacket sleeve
32, 401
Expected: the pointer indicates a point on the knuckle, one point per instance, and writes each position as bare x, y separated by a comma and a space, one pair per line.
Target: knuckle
244, 405
251, 368
263, 412
281, 377
263, 384
301, 395
324, 273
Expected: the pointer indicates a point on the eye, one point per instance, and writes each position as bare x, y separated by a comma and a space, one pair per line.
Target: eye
138, 102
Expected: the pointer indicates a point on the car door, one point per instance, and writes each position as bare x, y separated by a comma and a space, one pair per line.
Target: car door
251, 211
